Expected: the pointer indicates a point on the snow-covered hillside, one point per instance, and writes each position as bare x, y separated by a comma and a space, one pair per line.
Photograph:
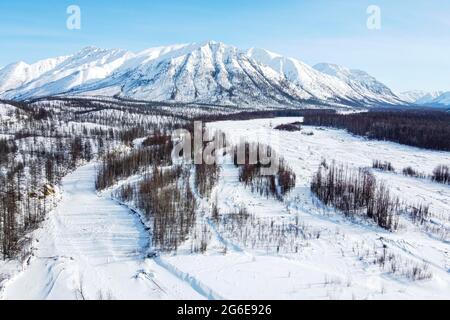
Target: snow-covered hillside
6, 111
314, 84
16, 74
444, 99
361, 82
87, 65
433, 98
420, 96
209, 72
206, 73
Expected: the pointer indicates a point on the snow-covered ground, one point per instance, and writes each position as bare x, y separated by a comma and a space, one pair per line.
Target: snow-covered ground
90, 247
304, 153
94, 247
6, 111
339, 264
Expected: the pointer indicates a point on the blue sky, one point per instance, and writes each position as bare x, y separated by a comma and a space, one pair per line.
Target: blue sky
410, 51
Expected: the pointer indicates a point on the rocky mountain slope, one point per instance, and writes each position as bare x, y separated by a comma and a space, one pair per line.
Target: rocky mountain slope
209, 72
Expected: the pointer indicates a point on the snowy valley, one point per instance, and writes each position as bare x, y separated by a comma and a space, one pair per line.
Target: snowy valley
94, 207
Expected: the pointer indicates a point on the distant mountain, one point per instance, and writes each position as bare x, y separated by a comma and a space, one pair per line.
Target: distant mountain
424, 98
204, 73
16, 74
443, 99
89, 64
420, 96
361, 82
311, 83
209, 72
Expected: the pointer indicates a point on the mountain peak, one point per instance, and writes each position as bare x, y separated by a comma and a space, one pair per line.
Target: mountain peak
421, 96
213, 43
210, 45
92, 50
358, 80
330, 68
14, 66
205, 72
262, 54
89, 49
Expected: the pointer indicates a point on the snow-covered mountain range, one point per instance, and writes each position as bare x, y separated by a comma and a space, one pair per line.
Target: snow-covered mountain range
17, 74
433, 98
209, 72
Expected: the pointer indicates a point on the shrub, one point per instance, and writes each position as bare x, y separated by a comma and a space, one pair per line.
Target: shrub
291, 127
410, 172
441, 174
277, 185
419, 213
385, 166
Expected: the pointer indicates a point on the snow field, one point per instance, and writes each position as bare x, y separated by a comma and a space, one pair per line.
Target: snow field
93, 247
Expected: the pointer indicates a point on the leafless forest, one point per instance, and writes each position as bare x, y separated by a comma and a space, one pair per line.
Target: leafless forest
46, 139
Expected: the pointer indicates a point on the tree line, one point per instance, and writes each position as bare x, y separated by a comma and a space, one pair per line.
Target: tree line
44, 140
117, 166
356, 193
165, 198
27, 187
418, 128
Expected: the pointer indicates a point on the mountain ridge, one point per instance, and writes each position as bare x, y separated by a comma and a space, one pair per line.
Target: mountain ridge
427, 98
206, 72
